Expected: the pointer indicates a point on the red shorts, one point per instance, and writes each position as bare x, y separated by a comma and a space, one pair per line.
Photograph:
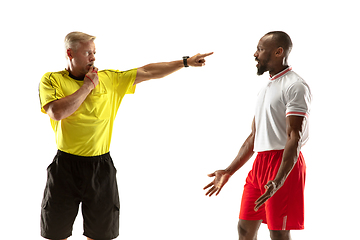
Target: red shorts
284, 210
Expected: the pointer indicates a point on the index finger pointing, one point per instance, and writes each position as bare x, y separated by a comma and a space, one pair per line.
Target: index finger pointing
206, 54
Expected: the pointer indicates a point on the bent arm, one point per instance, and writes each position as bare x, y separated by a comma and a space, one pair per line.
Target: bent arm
294, 128
245, 153
222, 176
64, 107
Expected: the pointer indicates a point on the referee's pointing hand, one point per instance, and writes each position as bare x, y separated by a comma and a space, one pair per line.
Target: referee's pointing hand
198, 60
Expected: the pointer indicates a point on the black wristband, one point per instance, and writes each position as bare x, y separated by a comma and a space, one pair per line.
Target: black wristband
185, 58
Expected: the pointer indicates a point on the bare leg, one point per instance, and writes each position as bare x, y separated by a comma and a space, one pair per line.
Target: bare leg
248, 229
280, 235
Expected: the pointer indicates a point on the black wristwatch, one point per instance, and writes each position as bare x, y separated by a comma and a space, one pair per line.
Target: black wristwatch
185, 58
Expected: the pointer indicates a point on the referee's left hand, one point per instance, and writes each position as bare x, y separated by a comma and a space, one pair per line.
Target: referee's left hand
270, 191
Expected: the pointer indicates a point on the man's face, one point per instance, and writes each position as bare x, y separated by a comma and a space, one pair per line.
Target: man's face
83, 57
263, 55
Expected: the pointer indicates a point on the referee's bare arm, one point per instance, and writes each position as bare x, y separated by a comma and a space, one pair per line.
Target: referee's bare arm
163, 69
64, 107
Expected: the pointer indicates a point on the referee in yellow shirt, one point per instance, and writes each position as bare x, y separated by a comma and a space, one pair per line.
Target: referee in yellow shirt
82, 103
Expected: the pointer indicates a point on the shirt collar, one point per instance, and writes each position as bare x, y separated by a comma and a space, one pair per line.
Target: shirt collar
280, 74
72, 76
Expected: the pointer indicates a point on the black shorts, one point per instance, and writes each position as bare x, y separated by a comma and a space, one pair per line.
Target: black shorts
89, 180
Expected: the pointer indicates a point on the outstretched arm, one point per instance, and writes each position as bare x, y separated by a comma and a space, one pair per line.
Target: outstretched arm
294, 130
222, 176
162, 69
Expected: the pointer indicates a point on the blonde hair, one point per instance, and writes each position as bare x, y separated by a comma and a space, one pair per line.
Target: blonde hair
73, 39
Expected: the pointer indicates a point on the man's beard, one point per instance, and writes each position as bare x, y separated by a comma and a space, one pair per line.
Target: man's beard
261, 69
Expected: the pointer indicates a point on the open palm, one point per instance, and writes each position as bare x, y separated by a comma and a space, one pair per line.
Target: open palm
221, 178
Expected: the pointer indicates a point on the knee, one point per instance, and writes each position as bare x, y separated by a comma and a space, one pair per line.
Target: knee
280, 235
245, 234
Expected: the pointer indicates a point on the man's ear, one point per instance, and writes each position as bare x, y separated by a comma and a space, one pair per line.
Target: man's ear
69, 53
279, 52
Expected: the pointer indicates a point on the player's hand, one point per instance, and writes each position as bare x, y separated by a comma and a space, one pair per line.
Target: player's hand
198, 60
221, 178
92, 78
270, 191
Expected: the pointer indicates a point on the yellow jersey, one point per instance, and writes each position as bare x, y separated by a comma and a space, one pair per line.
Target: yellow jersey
87, 132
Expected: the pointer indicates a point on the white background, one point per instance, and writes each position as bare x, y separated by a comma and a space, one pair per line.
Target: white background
176, 130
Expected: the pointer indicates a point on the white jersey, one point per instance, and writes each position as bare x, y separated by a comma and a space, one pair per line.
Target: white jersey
285, 94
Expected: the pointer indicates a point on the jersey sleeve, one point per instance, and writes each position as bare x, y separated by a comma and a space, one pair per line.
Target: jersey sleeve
125, 81
298, 99
49, 90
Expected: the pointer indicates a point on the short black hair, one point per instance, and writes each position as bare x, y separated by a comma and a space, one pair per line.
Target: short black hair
282, 39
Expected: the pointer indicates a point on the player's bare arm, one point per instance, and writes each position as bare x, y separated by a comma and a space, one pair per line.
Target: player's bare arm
294, 128
162, 69
222, 176
64, 107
